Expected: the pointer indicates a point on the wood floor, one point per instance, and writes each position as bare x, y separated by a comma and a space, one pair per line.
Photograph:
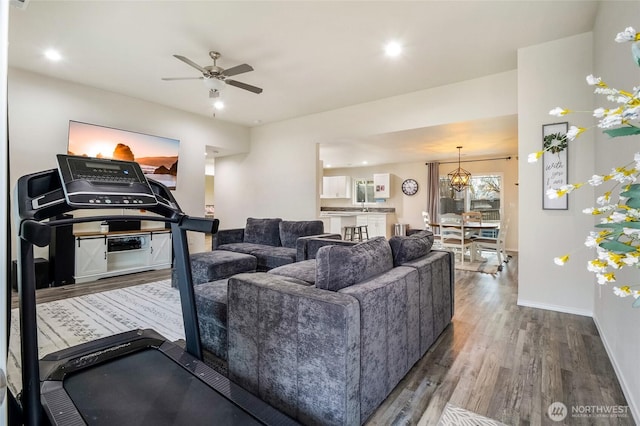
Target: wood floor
496, 359
506, 362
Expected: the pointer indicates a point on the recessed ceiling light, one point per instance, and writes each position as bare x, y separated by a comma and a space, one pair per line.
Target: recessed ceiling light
52, 55
392, 49
218, 105
364, 162
328, 166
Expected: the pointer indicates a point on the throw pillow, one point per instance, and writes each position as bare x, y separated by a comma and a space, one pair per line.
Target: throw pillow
263, 231
338, 267
406, 249
290, 231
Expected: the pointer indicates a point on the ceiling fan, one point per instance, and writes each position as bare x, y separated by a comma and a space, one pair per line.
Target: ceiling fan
215, 77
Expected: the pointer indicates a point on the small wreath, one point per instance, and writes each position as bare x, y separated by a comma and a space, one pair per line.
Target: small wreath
555, 142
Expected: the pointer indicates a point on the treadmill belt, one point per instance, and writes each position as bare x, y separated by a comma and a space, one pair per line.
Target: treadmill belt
148, 388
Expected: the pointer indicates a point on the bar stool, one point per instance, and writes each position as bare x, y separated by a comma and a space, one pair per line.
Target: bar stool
356, 233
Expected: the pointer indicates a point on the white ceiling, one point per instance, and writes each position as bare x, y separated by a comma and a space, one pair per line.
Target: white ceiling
308, 56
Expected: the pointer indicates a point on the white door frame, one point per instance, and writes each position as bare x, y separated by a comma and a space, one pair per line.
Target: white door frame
4, 164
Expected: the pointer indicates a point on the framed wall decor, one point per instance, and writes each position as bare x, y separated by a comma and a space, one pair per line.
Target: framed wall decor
554, 164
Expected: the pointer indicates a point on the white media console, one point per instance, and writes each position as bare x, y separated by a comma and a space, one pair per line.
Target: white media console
101, 255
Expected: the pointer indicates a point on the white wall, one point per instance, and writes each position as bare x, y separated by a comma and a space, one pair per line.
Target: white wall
40, 109
279, 176
209, 189
616, 320
549, 75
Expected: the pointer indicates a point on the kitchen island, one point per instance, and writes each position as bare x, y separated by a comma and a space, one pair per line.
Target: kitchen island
378, 220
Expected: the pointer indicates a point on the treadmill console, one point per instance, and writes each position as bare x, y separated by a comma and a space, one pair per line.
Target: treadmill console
98, 183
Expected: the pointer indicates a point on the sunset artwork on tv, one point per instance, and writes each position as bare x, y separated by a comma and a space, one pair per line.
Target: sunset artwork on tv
156, 155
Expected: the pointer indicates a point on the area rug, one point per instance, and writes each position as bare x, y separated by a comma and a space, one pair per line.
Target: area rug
489, 265
456, 416
76, 320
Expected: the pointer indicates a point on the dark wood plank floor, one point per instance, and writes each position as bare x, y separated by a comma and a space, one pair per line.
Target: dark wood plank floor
506, 362
497, 359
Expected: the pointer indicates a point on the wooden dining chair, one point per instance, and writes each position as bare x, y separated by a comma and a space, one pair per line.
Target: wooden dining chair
450, 218
472, 217
453, 236
426, 217
496, 245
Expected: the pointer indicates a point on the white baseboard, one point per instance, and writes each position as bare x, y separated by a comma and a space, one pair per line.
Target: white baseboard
632, 400
557, 308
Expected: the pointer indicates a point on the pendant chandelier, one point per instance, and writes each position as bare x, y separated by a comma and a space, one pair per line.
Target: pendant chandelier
459, 178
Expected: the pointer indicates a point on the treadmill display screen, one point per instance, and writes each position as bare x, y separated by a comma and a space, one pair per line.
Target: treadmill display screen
99, 183
105, 171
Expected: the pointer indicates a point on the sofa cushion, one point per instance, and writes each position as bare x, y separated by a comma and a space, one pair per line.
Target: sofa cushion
406, 249
263, 231
342, 266
246, 248
272, 257
290, 231
304, 270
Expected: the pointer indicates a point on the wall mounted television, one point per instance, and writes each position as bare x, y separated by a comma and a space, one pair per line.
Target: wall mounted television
157, 156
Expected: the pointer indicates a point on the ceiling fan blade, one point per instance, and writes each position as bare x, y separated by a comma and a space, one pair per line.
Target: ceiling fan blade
244, 86
239, 69
190, 62
181, 78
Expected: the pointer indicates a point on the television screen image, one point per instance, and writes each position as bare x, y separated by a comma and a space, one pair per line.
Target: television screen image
156, 155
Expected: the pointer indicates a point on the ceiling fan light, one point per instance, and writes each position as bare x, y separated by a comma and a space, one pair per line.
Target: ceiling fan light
213, 83
219, 105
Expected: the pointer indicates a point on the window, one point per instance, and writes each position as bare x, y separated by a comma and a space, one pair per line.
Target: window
363, 191
483, 195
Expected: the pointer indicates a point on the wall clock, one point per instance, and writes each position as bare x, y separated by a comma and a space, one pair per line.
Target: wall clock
410, 186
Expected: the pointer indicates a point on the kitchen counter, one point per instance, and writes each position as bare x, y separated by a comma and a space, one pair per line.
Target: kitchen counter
357, 210
375, 218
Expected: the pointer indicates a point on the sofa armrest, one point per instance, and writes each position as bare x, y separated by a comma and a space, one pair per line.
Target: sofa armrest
302, 244
293, 345
227, 236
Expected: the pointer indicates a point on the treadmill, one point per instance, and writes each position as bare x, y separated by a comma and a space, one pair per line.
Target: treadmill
132, 378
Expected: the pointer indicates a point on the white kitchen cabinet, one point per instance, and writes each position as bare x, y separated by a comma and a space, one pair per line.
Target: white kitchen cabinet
381, 185
336, 187
376, 224
117, 253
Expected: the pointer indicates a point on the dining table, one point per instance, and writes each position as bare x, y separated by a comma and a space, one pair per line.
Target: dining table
469, 226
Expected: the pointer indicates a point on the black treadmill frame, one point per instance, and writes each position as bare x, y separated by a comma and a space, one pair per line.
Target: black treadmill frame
46, 185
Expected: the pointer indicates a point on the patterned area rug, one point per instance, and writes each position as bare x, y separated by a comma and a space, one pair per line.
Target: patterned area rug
69, 322
456, 416
489, 265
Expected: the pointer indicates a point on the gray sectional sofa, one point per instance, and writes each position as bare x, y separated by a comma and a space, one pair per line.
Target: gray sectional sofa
329, 352
273, 241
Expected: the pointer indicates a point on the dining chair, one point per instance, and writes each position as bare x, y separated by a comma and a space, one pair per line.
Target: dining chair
427, 220
450, 218
496, 245
453, 237
426, 217
475, 218
471, 217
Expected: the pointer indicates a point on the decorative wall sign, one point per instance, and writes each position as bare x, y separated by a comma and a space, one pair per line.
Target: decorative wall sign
554, 164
